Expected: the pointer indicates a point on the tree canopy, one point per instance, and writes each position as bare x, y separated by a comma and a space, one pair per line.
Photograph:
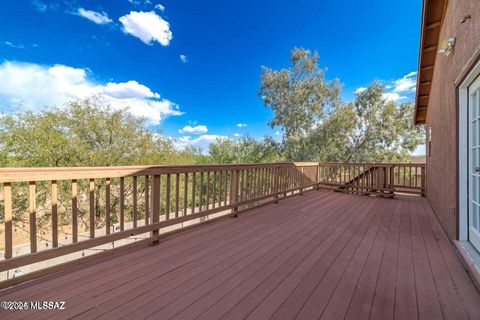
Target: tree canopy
318, 125
83, 133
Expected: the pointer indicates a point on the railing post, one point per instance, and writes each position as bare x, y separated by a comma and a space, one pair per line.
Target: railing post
423, 180
275, 183
301, 184
7, 198
391, 178
234, 192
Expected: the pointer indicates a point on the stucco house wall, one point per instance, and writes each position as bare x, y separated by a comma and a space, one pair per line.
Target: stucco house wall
461, 20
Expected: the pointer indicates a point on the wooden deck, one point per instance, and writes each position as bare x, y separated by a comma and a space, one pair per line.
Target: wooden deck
323, 255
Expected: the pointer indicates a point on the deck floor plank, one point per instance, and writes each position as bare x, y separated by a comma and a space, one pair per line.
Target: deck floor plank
323, 255
405, 293
335, 271
238, 303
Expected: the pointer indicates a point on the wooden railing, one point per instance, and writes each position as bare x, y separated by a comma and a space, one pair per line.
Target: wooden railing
101, 205
62, 211
383, 179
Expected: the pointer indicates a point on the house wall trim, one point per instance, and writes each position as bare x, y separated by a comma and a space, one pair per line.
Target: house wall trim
462, 147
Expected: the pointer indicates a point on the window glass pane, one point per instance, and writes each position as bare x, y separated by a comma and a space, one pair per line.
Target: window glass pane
475, 106
475, 158
475, 188
475, 133
475, 216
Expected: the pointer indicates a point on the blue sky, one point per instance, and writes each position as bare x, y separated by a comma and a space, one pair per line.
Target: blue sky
192, 67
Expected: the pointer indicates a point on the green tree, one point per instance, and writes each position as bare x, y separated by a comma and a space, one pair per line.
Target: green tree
370, 129
300, 98
319, 126
82, 133
245, 150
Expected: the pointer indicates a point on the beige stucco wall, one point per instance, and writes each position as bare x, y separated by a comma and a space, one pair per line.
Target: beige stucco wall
442, 109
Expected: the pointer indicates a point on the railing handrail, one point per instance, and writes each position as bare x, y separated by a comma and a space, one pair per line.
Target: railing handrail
374, 164
25, 174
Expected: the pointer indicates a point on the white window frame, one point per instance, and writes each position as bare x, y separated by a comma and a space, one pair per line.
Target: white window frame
463, 152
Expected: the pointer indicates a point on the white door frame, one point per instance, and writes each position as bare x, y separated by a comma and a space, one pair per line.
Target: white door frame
463, 152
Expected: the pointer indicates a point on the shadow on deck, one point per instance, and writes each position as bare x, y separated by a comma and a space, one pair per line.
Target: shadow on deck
322, 255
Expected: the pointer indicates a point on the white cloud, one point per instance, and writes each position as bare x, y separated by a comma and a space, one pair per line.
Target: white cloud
94, 16
241, 125
360, 90
202, 142
39, 6
393, 96
14, 45
129, 89
183, 58
278, 133
237, 135
407, 83
34, 86
160, 7
147, 26
194, 130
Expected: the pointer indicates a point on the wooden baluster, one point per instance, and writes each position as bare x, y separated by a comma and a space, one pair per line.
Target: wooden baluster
91, 192
226, 188
259, 185
242, 188
398, 175
258, 182
414, 176
230, 200
54, 214
220, 185
185, 194
7, 198
269, 179
193, 192
147, 199
392, 189
276, 182
234, 192
422, 177
33, 216
74, 211
208, 191
155, 205
410, 175
122, 203
134, 201
264, 181
300, 178
255, 183
108, 221
167, 198
200, 193
177, 191
272, 184
248, 183
214, 200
